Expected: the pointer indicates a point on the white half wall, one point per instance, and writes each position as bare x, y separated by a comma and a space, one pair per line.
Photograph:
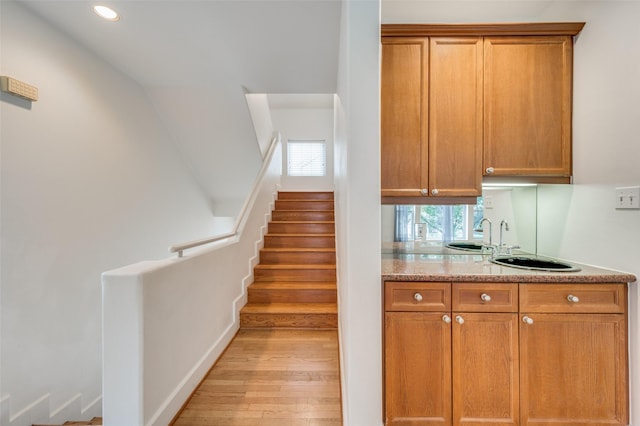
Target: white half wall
357, 177
166, 322
89, 182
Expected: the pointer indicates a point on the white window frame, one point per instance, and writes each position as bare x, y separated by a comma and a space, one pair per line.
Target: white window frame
317, 170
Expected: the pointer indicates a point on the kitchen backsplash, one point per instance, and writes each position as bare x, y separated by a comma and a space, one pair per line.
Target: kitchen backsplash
515, 205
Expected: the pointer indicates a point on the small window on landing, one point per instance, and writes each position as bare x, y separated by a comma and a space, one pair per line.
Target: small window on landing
306, 158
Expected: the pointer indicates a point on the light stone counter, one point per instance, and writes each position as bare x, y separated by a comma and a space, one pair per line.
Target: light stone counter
476, 267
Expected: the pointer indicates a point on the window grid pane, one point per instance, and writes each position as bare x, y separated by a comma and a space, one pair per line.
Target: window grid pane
306, 158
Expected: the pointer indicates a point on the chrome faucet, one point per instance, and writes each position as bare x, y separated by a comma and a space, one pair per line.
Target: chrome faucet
491, 247
505, 225
503, 248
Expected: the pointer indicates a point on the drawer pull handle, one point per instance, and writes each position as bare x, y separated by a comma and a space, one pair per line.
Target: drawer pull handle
446, 319
417, 297
527, 320
459, 319
573, 299
485, 297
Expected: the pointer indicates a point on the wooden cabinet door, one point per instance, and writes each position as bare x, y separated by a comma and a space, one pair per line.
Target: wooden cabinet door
404, 108
455, 116
485, 369
417, 369
573, 370
527, 105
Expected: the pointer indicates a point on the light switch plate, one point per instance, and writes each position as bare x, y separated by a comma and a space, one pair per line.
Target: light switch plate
628, 197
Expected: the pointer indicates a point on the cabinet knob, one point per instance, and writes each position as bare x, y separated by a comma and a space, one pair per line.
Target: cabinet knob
446, 319
424, 191
489, 170
573, 299
459, 319
434, 191
527, 320
485, 297
417, 297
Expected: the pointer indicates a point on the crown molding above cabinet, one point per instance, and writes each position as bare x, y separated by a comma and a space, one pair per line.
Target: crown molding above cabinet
482, 30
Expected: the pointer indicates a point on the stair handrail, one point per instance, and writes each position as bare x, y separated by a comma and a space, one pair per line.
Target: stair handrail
180, 248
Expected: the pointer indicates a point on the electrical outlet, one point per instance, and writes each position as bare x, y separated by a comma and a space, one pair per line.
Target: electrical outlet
628, 197
488, 201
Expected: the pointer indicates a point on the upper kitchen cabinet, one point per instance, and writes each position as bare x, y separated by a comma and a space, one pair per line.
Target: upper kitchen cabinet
404, 106
431, 117
463, 103
455, 117
527, 106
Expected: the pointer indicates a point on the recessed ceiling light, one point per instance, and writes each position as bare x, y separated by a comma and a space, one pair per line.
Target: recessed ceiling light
106, 13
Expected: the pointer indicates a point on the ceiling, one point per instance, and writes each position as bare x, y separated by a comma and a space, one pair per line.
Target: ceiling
286, 46
195, 59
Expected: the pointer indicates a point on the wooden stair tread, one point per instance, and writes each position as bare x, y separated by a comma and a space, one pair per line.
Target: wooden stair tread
290, 308
326, 234
306, 211
306, 222
295, 282
305, 195
295, 266
301, 227
94, 421
299, 249
283, 216
288, 285
305, 204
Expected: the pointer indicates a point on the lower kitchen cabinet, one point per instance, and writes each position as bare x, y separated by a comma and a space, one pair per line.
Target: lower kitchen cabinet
574, 363
449, 366
418, 387
507, 354
485, 369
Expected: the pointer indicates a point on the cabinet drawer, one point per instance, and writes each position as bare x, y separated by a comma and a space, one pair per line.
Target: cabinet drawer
573, 298
484, 297
413, 296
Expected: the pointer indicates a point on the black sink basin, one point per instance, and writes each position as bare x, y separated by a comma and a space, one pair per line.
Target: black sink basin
465, 245
535, 264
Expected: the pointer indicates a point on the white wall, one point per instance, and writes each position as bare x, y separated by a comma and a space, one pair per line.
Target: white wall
90, 182
357, 175
579, 221
305, 124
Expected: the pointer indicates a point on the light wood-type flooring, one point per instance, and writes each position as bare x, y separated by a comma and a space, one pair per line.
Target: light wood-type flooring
275, 377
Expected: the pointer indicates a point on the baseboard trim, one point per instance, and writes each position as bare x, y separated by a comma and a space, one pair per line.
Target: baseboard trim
180, 395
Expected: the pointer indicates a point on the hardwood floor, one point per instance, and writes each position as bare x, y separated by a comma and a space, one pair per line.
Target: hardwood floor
274, 377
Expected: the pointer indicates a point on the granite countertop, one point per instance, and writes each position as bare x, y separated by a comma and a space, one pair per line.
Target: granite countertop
476, 267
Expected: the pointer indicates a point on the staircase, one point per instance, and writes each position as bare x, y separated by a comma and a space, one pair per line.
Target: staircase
295, 282
95, 421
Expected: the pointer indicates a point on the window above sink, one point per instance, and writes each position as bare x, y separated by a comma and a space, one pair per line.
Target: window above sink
429, 228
